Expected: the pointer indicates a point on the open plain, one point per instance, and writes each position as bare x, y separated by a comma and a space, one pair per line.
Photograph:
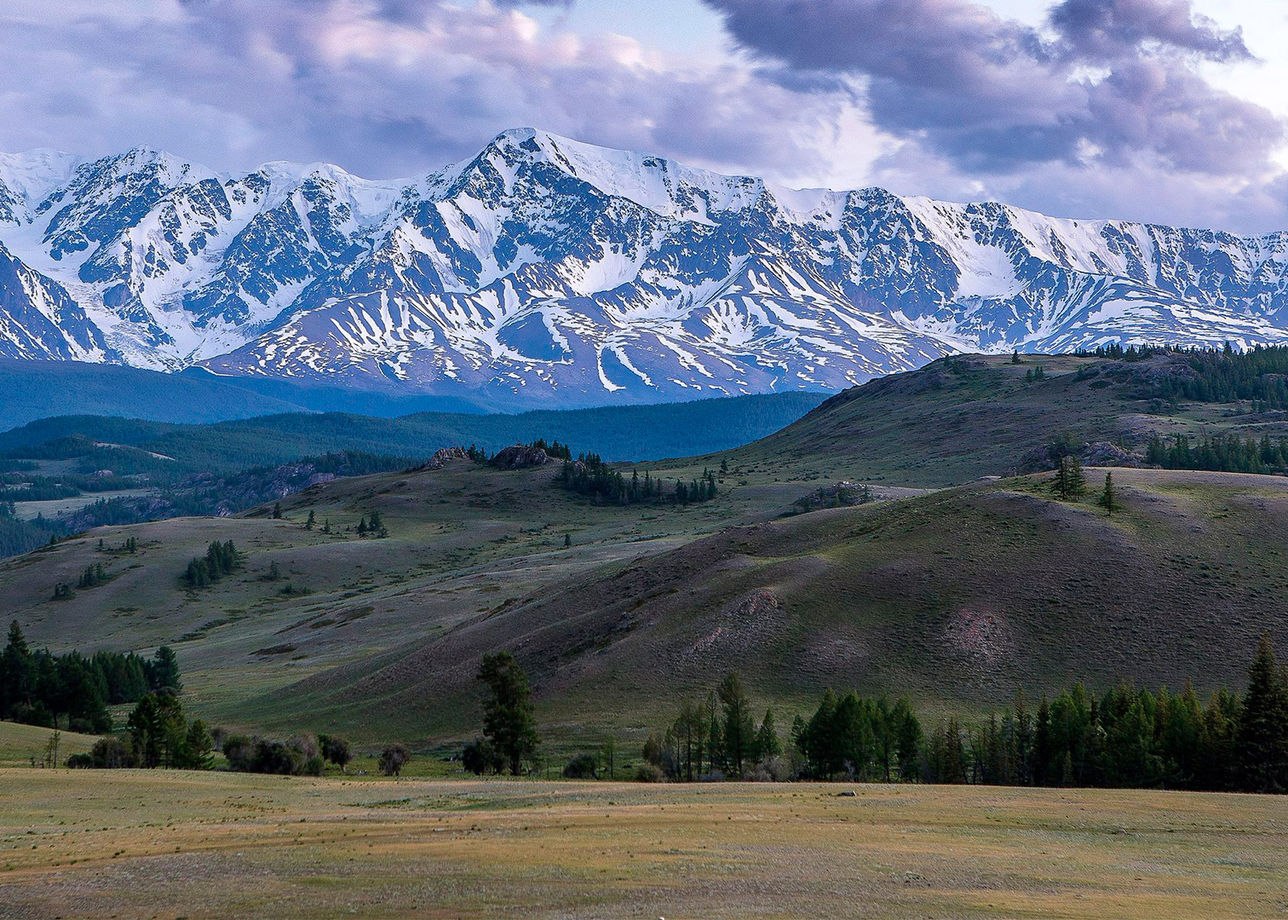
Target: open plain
180, 844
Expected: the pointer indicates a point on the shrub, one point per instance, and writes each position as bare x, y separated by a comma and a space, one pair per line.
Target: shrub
296, 757
335, 750
393, 759
240, 752
480, 757
583, 766
111, 753
649, 773
80, 762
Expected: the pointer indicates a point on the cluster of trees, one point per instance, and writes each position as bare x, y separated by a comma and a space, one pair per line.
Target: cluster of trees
47, 488
192, 494
589, 475
128, 547
1070, 484
1259, 375
1124, 738
849, 736
862, 739
373, 526
93, 576
1132, 738
715, 738
72, 690
553, 449
18, 536
162, 736
221, 559
1228, 454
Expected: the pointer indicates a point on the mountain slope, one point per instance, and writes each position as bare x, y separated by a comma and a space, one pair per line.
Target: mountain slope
544, 270
958, 596
958, 599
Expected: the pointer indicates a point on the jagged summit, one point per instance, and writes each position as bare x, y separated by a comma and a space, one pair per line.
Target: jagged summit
548, 270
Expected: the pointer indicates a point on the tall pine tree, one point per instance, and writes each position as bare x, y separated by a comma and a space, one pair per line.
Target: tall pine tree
1263, 727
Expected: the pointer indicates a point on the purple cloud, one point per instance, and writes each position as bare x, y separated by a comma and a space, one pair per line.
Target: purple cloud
1112, 80
1107, 29
383, 87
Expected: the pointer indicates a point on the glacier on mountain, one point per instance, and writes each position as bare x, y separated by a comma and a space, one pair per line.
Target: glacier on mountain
544, 270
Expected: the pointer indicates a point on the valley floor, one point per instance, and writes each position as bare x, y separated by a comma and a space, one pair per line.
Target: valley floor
142, 844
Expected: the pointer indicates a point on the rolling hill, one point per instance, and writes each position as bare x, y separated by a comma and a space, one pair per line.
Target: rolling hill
961, 592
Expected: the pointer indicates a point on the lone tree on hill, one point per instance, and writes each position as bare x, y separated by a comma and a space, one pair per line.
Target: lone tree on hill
1069, 482
508, 721
1109, 498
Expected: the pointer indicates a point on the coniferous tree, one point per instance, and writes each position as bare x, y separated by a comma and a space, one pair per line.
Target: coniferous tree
1069, 483
768, 744
508, 720
689, 734
163, 670
1108, 497
17, 675
738, 731
1263, 726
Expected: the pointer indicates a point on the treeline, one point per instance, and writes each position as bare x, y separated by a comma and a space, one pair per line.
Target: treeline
73, 690
846, 736
1123, 738
1227, 454
18, 536
221, 559
1217, 375
20, 488
1258, 375
205, 494
1126, 737
588, 475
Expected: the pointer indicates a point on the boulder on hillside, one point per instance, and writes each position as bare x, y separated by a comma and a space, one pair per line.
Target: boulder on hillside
841, 494
441, 458
1095, 453
520, 457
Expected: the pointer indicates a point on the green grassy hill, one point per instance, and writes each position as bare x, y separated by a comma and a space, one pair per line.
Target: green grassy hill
958, 599
20, 745
965, 417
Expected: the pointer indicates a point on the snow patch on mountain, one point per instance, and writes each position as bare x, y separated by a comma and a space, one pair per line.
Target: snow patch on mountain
546, 270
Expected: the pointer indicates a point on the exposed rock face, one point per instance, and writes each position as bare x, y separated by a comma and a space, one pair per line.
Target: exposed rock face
441, 458
1103, 453
1096, 453
841, 494
520, 457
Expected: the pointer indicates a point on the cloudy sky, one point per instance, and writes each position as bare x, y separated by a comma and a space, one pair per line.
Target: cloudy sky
1166, 110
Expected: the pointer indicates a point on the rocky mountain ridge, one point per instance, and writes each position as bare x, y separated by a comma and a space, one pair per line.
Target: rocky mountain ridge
547, 271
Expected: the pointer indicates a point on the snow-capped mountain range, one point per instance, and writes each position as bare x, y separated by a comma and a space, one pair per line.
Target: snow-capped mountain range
544, 270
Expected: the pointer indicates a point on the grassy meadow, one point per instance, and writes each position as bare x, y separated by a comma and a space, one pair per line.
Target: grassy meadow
171, 844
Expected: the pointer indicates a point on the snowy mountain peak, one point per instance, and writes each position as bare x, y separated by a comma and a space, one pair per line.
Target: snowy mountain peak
545, 269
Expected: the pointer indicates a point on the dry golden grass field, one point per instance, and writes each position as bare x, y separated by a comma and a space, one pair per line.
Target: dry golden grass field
171, 844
